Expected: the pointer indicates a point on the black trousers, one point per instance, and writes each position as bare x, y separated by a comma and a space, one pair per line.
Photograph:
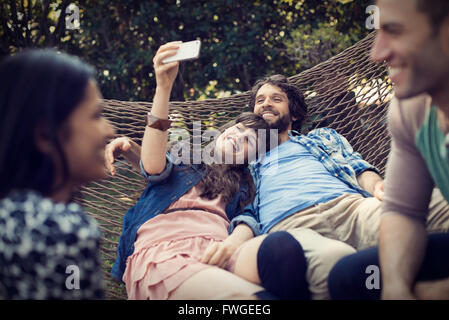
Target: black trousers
357, 276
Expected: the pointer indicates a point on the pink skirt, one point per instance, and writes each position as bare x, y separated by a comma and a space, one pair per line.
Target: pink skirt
155, 270
153, 273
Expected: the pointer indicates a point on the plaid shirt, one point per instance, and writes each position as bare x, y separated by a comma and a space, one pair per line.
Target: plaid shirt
334, 152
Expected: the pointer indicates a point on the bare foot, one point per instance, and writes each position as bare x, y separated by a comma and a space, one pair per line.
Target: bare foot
432, 290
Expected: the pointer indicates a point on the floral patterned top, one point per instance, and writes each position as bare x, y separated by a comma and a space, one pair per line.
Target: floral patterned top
47, 250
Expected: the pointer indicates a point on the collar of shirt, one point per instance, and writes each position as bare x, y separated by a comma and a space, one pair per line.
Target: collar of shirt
335, 153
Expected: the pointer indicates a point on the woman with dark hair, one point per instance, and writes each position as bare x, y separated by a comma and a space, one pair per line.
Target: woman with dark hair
171, 243
52, 136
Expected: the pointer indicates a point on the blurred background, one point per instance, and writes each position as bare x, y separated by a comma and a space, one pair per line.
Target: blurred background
241, 40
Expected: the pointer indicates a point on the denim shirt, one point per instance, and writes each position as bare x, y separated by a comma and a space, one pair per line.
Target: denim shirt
332, 150
161, 191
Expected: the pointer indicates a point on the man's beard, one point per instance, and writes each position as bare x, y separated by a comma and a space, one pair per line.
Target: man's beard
282, 123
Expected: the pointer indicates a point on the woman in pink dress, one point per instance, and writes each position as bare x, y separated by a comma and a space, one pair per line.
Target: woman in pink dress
175, 242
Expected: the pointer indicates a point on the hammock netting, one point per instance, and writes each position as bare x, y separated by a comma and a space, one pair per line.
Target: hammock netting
347, 92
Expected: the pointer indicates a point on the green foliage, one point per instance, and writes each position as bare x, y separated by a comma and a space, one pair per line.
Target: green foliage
241, 40
308, 47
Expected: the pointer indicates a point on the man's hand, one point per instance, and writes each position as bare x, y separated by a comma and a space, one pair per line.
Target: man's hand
432, 289
402, 247
371, 182
379, 190
115, 148
218, 253
396, 293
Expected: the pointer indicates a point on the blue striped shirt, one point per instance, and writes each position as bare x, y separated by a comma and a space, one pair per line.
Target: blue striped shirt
332, 150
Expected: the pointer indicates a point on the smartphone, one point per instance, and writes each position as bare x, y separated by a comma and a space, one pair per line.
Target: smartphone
187, 51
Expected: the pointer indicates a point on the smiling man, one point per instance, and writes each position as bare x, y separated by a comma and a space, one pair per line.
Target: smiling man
306, 184
414, 43
315, 187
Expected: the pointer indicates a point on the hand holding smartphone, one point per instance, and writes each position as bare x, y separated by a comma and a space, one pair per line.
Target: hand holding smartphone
187, 51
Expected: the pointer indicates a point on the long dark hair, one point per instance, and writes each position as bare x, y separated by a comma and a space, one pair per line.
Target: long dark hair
296, 102
37, 88
226, 180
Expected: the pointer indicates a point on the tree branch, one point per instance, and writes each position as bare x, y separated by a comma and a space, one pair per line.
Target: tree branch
60, 26
43, 25
246, 77
7, 38
16, 29
26, 21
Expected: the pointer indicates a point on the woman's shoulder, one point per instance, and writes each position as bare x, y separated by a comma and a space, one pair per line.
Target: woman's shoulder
28, 211
33, 203
39, 240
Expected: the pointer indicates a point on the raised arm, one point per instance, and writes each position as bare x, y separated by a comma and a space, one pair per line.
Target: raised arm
154, 141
